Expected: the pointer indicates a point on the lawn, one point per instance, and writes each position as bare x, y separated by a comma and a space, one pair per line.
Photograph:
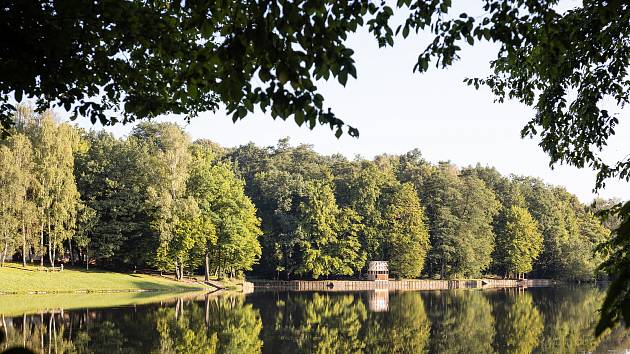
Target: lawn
19, 280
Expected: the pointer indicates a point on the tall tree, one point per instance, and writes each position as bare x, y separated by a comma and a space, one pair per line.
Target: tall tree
366, 189
407, 238
520, 243
231, 236
18, 207
476, 213
325, 250
460, 211
57, 196
9, 222
167, 194
25, 187
113, 177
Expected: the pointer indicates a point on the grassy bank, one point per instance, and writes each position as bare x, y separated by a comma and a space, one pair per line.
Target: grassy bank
21, 280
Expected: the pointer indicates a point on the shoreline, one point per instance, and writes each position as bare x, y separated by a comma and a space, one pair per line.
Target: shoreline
397, 285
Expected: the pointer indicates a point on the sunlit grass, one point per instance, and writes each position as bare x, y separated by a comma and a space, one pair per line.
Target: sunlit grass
17, 279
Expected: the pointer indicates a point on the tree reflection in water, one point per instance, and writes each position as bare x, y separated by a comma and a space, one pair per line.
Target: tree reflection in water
538, 320
213, 325
461, 322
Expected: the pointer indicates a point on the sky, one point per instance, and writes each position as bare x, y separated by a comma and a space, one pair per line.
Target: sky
397, 110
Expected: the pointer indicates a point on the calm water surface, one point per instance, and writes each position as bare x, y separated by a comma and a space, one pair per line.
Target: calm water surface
539, 320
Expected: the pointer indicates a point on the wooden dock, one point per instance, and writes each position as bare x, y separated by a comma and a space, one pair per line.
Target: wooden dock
412, 284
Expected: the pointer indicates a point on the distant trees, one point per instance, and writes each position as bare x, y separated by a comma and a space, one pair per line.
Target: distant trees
181, 208
426, 220
157, 200
151, 200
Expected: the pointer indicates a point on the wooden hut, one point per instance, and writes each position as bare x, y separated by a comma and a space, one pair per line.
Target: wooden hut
378, 270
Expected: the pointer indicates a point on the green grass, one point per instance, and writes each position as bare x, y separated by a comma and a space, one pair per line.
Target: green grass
21, 280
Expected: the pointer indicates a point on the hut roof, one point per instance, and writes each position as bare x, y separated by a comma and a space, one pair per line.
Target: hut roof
378, 266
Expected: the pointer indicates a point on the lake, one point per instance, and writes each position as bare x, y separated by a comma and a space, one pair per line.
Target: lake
540, 320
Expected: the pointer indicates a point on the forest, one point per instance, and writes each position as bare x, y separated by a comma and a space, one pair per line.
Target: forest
157, 201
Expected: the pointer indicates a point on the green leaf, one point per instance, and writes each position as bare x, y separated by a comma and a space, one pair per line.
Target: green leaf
299, 118
343, 77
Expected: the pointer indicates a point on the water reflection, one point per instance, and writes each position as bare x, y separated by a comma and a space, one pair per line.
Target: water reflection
538, 320
211, 325
461, 322
378, 300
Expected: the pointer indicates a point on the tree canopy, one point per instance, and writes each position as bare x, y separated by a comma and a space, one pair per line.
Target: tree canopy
120, 60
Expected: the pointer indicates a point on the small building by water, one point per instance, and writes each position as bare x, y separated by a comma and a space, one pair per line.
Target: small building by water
378, 270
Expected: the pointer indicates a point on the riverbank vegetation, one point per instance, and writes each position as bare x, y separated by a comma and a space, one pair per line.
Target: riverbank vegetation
155, 200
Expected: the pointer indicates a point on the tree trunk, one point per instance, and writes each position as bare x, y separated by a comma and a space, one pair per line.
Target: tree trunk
50, 260
54, 250
71, 254
176, 271
41, 244
23, 245
4, 253
207, 268
50, 255
87, 257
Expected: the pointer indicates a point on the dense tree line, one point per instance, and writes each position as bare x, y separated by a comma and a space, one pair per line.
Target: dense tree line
153, 200
157, 200
434, 220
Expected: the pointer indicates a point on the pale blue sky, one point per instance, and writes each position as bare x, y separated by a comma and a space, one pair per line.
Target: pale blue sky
397, 111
